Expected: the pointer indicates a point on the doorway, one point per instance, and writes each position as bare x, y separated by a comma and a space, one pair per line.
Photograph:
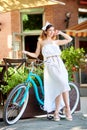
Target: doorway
83, 44
31, 43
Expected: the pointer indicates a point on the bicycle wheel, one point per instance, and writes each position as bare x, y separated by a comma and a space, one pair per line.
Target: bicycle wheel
73, 97
14, 107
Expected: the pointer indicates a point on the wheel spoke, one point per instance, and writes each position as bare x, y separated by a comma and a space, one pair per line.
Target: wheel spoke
13, 110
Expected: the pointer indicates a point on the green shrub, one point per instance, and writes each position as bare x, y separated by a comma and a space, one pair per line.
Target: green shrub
73, 59
13, 80
18, 78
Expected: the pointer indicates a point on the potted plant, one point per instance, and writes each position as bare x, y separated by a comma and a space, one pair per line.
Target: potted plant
74, 60
19, 77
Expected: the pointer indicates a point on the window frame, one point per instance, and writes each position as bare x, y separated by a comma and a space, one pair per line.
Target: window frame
32, 11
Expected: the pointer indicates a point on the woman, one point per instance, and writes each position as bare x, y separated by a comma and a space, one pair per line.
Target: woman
56, 86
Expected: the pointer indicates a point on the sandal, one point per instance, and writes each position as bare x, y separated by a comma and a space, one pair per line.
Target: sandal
56, 117
68, 114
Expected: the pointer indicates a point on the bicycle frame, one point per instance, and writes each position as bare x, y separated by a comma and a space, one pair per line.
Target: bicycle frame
27, 83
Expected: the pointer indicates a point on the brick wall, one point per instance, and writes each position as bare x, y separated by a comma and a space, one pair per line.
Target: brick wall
56, 14
5, 34
15, 21
10, 23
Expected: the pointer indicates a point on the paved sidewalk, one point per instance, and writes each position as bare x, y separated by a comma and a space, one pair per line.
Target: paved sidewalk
42, 123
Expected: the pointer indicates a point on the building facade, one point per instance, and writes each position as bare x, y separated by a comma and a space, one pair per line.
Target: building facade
13, 38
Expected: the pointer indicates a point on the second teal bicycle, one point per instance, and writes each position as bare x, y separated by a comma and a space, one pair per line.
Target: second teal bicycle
17, 100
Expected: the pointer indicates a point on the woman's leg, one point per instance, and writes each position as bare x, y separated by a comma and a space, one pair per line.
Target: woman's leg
57, 103
67, 105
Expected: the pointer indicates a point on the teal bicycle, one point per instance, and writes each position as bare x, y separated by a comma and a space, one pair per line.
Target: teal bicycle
17, 100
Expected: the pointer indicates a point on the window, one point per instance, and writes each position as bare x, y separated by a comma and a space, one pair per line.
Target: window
83, 76
82, 17
32, 22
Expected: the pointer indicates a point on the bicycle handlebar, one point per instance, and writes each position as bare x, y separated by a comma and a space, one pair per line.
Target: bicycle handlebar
36, 63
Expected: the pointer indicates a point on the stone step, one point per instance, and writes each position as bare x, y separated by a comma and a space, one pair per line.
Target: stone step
83, 105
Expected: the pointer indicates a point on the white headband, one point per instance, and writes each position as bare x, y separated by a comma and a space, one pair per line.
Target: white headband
44, 27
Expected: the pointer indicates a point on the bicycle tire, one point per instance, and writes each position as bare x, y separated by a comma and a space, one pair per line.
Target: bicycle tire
74, 97
12, 111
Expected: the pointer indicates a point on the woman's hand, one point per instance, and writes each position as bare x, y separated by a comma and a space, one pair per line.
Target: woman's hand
24, 52
57, 32
31, 54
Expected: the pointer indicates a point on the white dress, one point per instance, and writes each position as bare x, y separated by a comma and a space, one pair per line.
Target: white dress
55, 76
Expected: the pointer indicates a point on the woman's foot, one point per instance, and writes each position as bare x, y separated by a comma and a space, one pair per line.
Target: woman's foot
56, 116
68, 114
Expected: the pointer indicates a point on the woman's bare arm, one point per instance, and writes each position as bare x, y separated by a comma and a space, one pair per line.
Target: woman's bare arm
66, 39
36, 53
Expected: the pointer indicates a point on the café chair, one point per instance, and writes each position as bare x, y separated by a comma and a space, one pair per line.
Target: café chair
13, 63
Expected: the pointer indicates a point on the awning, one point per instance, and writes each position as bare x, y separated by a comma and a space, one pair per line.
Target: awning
9, 5
79, 30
